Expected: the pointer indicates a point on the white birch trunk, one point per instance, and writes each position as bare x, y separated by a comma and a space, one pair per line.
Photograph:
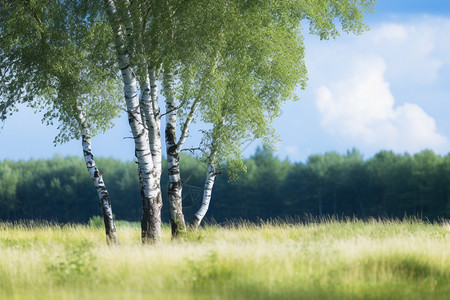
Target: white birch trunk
155, 143
177, 222
151, 117
207, 192
151, 204
97, 179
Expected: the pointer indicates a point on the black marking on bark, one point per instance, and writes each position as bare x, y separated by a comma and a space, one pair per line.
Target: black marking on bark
174, 170
131, 97
87, 153
176, 156
171, 150
140, 134
148, 174
175, 186
97, 173
142, 150
146, 154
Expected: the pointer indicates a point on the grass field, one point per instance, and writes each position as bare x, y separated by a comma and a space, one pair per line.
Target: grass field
328, 260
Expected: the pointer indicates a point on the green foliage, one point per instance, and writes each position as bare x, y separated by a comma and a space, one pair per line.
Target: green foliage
8, 184
96, 221
237, 61
386, 185
238, 75
55, 58
60, 189
76, 266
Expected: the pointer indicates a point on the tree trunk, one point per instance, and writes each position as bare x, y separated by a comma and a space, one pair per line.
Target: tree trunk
97, 178
175, 186
207, 192
155, 133
151, 201
152, 119
151, 116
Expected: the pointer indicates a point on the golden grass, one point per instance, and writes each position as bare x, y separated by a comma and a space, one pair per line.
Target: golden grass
329, 260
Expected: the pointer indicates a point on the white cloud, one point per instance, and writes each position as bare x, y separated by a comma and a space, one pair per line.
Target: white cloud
409, 50
361, 108
414, 51
391, 33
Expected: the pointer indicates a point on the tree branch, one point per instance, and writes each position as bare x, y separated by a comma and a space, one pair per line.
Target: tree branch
193, 149
184, 131
174, 109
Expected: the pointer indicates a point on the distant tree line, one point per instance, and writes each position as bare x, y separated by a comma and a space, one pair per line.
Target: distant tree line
386, 185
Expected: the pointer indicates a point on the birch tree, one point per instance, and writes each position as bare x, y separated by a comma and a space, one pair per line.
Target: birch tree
256, 79
239, 85
49, 42
231, 60
242, 40
203, 73
230, 52
120, 16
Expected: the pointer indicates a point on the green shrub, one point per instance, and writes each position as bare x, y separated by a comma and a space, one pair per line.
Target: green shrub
96, 222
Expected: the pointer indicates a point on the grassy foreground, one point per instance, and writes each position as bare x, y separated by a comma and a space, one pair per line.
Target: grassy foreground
330, 260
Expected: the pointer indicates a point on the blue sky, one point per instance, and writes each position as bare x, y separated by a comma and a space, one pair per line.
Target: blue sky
388, 89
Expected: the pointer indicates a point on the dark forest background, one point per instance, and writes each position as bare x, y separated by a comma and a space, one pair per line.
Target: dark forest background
386, 185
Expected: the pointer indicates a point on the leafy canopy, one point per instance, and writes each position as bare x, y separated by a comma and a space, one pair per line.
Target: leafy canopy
55, 58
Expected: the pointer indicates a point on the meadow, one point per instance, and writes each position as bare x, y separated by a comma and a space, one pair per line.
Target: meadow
275, 260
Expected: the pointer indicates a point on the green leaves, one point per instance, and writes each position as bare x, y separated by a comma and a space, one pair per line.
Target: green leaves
240, 59
56, 59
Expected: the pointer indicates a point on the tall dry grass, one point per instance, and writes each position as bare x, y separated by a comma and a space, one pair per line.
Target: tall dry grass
275, 260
